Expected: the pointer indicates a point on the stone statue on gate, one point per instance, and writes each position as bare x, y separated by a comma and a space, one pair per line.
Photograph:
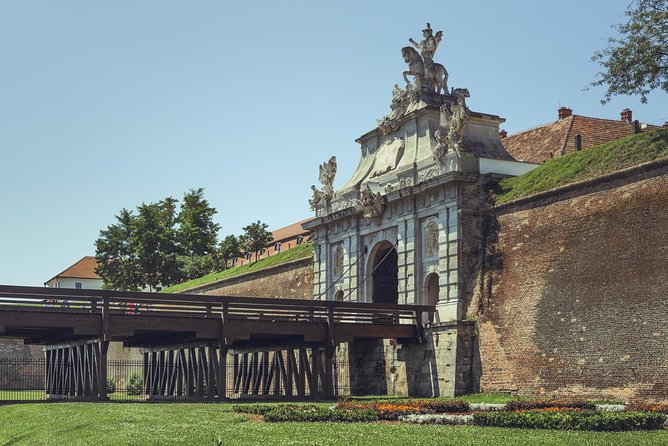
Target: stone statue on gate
454, 119
426, 73
326, 176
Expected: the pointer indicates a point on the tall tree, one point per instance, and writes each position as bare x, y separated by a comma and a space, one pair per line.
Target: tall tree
118, 265
637, 62
230, 248
197, 234
155, 241
158, 247
255, 237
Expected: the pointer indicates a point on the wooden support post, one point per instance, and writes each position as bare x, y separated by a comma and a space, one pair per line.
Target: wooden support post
102, 365
328, 384
222, 373
315, 365
211, 378
302, 368
289, 371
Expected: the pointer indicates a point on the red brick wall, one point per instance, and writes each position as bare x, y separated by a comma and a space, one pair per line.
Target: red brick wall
575, 299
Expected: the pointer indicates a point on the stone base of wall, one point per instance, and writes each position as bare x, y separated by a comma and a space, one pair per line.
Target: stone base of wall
443, 365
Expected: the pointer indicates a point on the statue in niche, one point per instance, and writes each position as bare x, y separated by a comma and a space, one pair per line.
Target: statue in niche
338, 261
426, 73
431, 239
454, 118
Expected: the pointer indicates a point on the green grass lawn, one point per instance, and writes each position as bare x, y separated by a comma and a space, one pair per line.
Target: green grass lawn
203, 424
21, 395
298, 252
586, 164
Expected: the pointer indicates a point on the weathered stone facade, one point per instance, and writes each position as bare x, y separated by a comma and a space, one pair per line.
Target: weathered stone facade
443, 365
573, 298
403, 228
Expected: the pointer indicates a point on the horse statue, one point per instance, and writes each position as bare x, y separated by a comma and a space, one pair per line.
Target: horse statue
431, 75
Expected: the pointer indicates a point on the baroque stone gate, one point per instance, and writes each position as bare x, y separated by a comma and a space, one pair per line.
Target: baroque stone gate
405, 227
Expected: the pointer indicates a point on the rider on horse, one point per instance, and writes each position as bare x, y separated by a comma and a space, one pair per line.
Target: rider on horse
427, 48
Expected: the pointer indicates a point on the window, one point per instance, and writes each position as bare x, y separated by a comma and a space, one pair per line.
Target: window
77, 285
300, 239
277, 247
234, 261
262, 251
249, 255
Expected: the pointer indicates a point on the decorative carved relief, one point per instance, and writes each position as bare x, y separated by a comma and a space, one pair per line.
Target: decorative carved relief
431, 239
338, 261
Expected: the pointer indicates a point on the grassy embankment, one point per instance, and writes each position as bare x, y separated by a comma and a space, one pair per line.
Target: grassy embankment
204, 424
298, 252
587, 164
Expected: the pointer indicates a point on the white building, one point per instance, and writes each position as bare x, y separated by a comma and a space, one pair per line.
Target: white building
81, 275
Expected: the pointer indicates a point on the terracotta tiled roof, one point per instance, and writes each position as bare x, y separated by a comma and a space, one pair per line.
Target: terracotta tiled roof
83, 269
537, 144
290, 232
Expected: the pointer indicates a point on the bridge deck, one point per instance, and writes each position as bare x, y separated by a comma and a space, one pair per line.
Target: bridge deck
56, 315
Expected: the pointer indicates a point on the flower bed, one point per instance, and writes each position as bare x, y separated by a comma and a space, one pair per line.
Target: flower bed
544, 404
447, 419
394, 410
565, 419
648, 407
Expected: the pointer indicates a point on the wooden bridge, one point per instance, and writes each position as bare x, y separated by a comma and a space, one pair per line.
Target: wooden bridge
279, 347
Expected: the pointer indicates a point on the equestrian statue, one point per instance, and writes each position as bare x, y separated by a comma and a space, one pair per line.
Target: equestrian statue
426, 73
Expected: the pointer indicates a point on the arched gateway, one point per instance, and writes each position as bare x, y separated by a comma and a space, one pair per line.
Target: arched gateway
384, 274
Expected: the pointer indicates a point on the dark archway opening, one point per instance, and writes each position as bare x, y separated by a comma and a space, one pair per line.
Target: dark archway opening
385, 277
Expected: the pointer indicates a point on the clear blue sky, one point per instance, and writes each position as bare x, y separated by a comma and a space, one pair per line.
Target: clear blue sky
105, 105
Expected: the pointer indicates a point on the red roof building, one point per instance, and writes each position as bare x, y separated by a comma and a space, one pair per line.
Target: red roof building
80, 275
569, 133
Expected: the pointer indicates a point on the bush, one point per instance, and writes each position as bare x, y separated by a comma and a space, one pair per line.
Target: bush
544, 404
318, 414
135, 385
592, 421
111, 385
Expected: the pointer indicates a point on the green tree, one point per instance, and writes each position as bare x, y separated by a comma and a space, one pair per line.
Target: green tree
255, 237
637, 61
197, 234
229, 249
156, 246
118, 265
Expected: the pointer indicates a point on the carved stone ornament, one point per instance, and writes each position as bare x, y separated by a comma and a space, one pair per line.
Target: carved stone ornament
454, 119
321, 198
338, 261
372, 206
316, 199
387, 157
327, 175
431, 239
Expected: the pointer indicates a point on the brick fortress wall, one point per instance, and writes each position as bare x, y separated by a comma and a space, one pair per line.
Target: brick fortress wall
572, 299
289, 280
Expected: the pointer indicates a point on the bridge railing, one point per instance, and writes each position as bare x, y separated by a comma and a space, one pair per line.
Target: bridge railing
59, 300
